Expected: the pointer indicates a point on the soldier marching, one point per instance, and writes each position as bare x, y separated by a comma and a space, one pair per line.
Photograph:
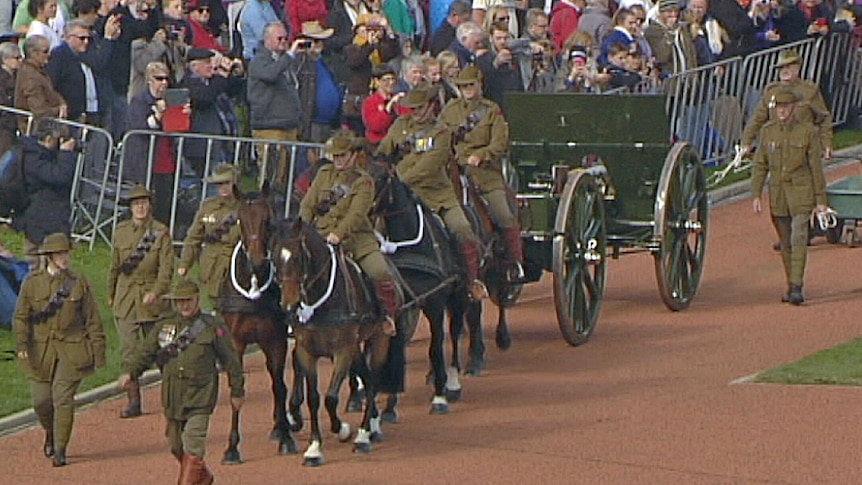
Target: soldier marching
142, 265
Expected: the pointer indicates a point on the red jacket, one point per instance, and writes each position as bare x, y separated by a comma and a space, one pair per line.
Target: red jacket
201, 37
564, 22
377, 120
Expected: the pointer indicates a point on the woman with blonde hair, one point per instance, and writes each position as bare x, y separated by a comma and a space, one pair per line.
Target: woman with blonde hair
449, 70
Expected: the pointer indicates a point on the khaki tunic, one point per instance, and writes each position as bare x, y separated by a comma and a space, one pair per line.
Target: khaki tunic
790, 154
425, 168
190, 381
74, 334
213, 256
488, 140
348, 217
152, 275
810, 109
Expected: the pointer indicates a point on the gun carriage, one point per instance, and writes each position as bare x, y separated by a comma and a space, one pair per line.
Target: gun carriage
597, 176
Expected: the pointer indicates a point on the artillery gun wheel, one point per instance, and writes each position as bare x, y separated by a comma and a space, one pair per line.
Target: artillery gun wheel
579, 255
681, 222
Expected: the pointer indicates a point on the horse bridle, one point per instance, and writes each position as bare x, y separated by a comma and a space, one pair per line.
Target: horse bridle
254, 291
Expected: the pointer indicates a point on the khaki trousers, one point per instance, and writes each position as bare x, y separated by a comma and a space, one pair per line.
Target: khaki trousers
280, 172
793, 238
188, 436
54, 403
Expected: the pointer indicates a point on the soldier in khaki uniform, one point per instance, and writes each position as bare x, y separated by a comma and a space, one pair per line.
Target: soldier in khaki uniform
789, 152
142, 266
481, 140
337, 204
187, 346
811, 108
213, 235
423, 146
60, 340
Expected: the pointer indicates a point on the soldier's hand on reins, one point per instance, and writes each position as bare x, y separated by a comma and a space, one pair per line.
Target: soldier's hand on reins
474, 160
333, 239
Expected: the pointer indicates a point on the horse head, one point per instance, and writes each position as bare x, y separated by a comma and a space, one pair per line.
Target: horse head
255, 214
302, 261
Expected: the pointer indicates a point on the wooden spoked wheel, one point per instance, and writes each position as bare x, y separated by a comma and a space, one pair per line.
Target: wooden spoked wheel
580, 254
681, 222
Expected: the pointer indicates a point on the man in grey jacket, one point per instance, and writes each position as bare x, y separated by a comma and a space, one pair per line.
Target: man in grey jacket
273, 95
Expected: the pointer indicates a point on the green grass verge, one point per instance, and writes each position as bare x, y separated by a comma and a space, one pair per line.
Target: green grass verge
838, 366
94, 266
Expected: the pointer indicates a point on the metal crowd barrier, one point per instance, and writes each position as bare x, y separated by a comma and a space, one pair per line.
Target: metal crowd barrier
190, 188
95, 152
709, 106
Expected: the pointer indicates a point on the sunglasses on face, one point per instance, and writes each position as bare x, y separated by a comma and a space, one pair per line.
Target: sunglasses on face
161, 78
203, 9
83, 38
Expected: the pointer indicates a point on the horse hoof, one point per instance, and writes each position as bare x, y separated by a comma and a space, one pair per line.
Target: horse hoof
453, 395
294, 422
231, 458
362, 447
276, 435
312, 461
389, 416
345, 432
287, 447
475, 368
439, 408
503, 341
376, 437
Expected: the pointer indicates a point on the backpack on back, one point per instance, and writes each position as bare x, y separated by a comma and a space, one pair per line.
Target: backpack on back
14, 198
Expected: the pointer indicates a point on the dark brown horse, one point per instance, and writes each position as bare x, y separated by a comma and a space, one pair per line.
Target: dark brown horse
251, 309
503, 281
336, 312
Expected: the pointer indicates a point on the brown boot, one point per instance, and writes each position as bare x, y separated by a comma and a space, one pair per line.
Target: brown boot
476, 289
389, 299
133, 410
194, 471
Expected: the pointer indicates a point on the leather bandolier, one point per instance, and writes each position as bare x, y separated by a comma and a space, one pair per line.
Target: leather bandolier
132, 261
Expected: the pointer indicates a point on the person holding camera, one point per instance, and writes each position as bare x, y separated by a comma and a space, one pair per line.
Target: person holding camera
319, 92
374, 44
273, 94
189, 347
207, 81
60, 341
168, 45
49, 168
501, 66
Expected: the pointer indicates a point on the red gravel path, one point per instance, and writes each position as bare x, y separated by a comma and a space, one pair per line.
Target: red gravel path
649, 400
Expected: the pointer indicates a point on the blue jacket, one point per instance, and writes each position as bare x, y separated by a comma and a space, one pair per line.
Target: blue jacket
49, 175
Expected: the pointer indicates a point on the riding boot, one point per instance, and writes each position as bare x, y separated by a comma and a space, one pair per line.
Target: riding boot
133, 410
476, 290
795, 296
195, 471
389, 298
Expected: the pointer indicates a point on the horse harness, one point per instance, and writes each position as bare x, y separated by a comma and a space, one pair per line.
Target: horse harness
134, 259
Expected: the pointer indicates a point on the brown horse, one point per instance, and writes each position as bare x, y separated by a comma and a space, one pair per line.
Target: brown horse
251, 309
504, 282
336, 313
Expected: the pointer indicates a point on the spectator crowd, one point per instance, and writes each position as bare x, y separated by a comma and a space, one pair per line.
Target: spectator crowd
298, 70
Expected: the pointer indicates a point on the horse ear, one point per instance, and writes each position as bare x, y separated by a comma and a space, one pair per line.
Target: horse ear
236, 192
264, 191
